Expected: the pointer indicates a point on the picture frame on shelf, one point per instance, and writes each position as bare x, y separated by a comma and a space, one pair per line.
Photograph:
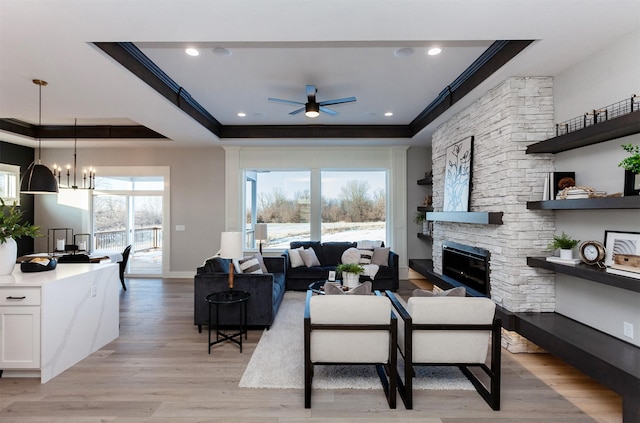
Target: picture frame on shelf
458, 175
622, 253
631, 183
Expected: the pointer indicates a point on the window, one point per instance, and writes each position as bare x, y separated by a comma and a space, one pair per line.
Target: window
10, 183
353, 205
345, 206
281, 200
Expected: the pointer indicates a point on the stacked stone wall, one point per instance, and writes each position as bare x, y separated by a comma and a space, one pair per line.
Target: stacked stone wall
503, 123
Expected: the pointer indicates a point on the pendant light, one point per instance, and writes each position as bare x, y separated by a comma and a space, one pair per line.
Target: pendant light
88, 179
38, 179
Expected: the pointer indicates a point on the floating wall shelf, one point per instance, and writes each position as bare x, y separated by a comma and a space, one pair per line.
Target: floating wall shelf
587, 203
479, 218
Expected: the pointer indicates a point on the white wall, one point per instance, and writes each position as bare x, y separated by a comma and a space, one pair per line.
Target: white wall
605, 78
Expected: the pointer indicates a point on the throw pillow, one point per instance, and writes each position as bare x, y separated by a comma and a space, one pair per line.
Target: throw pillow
217, 265
369, 245
295, 258
335, 289
459, 291
380, 257
351, 256
258, 257
309, 257
365, 256
250, 265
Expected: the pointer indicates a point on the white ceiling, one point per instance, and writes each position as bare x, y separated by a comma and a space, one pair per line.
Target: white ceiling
344, 47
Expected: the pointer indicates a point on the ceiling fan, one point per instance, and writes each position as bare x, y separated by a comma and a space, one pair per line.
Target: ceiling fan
312, 108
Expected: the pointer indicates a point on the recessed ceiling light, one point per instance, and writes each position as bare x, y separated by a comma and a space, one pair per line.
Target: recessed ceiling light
434, 51
192, 51
403, 52
241, 114
221, 51
387, 114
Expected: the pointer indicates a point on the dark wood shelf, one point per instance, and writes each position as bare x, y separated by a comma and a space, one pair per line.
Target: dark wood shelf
584, 271
587, 203
622, 126
425, 237
425, 208
425, 181
479, 218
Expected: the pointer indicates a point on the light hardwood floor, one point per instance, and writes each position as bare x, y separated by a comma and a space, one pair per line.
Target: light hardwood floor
158, 370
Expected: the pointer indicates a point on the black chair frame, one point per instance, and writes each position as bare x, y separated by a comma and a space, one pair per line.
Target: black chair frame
123, 265
491, 394
387, 372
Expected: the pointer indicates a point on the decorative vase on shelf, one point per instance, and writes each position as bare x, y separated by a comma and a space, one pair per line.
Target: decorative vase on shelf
425, 228
8, 256
566, 254
350, 280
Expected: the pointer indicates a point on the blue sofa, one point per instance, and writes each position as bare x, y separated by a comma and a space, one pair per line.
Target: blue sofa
329, 254
267, 291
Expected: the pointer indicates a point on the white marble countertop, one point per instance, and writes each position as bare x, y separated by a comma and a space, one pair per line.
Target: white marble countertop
38, 279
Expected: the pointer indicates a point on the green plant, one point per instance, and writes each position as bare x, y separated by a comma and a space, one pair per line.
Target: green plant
11, 225
350, 268
420, 218
631, 163
564, 242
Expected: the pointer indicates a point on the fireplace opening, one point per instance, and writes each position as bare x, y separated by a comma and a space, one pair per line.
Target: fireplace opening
467, 265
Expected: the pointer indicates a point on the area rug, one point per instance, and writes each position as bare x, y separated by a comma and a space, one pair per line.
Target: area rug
278, 361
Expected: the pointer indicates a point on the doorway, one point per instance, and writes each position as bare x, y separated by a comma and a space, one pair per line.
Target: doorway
131, 210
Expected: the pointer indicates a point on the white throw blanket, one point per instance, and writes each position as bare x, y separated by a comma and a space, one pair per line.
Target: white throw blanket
371, 270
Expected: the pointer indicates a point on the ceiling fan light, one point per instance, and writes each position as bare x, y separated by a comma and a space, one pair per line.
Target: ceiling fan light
312, 110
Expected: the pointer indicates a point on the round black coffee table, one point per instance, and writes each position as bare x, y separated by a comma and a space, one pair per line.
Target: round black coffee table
228, 297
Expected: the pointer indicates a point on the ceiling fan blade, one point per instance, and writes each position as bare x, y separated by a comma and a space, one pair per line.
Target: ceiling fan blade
279, 100
295, 112
328, 111
311, 93
337, 101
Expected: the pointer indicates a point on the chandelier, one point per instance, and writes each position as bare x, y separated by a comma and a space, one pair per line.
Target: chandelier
88, 175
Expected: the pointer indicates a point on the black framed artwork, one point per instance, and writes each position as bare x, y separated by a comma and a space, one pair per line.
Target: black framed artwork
458, 173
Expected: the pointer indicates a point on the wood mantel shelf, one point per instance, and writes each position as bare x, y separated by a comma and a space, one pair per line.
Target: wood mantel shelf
479, 218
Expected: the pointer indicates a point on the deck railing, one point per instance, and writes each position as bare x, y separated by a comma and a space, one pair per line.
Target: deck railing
144, 239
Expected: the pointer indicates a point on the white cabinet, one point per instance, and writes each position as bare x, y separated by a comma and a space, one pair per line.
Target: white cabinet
19, 328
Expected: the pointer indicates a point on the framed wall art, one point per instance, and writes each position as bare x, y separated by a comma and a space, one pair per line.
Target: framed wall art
622, 253
458, 173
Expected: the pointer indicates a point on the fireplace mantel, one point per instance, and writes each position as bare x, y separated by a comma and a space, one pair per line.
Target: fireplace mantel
479, 218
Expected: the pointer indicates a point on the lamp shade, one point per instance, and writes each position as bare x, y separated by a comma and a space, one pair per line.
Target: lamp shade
231, 245
38, 179
261, 231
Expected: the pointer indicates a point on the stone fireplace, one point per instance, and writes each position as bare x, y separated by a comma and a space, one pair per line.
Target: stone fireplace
503, 122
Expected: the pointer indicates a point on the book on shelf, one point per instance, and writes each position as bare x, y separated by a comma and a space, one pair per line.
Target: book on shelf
617, 271
568, 262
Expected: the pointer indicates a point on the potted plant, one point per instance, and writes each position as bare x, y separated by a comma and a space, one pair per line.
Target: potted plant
350, 273
565, 243
631, 165
421, 219
12, 227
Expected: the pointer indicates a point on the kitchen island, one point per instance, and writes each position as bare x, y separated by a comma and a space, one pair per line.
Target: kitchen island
51, 320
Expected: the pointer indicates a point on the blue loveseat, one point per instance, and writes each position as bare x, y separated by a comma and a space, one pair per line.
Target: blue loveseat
330, 255
266, 289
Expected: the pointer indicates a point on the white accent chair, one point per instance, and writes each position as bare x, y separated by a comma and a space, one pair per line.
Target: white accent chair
351, 330
449, 331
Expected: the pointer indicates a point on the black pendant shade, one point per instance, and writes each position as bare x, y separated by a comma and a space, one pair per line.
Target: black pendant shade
38, 179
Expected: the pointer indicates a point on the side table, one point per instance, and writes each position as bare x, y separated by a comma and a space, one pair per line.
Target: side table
216, 299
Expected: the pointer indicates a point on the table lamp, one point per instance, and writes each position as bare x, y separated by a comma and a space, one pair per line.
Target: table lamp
231, 248
261, 234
